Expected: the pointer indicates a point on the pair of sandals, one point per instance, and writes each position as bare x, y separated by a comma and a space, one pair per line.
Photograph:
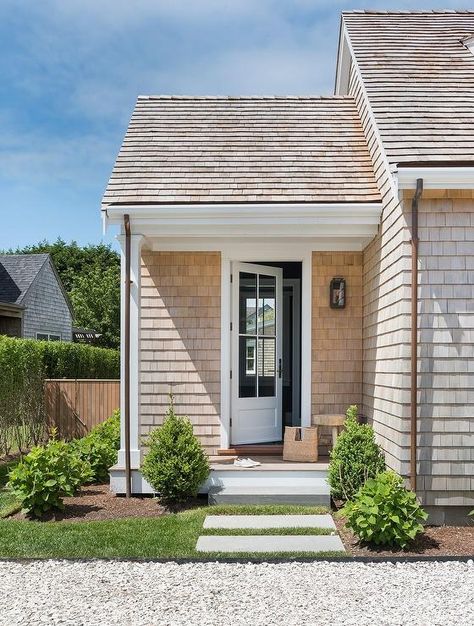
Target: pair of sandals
248, 463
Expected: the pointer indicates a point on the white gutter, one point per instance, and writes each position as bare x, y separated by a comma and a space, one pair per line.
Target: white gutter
435, 177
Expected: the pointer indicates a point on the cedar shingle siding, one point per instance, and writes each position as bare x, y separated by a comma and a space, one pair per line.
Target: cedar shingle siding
180, 340
46, 308
413, 82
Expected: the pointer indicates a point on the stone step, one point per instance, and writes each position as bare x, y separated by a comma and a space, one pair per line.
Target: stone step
313, 479
269, 521
269, 543
254, 494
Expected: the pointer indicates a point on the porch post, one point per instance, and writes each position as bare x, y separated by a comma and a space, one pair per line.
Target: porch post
135, 287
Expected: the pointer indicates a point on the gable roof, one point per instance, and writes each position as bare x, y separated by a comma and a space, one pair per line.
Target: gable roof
18, 272
181, 149
419, 79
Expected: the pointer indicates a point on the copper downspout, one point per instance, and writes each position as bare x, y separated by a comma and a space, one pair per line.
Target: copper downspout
126, 349
414, 331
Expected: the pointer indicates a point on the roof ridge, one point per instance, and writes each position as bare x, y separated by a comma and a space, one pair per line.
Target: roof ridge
409, 12
230, 98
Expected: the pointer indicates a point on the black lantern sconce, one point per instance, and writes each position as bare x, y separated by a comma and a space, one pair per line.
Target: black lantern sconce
337, 293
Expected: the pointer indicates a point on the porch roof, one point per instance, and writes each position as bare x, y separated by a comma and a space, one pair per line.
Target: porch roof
180, 149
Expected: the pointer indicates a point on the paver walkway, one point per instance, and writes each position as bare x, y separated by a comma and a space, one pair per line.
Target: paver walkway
268, 543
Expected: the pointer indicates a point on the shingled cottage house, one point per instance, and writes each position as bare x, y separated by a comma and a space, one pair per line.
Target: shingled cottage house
245, 212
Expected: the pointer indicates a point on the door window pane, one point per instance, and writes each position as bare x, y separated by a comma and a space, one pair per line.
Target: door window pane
247, 303
247, 367
266, 365
266, 305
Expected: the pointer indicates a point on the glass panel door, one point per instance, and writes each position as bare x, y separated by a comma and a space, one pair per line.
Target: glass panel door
256, 395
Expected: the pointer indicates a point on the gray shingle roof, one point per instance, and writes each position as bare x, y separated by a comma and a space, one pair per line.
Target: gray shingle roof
419, 78
255, 149
17, 273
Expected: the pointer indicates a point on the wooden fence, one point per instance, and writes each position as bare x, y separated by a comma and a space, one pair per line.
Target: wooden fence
75, 406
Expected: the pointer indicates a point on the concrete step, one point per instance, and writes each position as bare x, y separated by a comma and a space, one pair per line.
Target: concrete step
313, 479
282, 494
270, 543
269, 521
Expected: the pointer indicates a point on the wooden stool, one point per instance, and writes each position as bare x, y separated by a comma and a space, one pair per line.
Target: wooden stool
335, 422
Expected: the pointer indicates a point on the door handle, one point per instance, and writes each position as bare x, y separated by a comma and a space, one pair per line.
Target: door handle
279, 368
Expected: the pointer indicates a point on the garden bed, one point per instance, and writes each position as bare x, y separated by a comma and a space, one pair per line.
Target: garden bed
438, 541
97, 502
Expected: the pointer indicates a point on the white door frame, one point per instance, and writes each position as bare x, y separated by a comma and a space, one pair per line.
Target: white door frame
295, 285
261, 252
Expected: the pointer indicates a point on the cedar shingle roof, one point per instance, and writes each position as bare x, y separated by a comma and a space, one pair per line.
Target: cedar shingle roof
224, 149
17, 273
419, 79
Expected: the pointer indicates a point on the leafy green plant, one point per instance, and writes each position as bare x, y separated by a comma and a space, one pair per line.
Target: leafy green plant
355, 458
109, 430
176, 464
99, 447
47, 474
384, 512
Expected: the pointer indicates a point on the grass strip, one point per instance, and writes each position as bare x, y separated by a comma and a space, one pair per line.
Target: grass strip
8, 504
169, 536
266, 531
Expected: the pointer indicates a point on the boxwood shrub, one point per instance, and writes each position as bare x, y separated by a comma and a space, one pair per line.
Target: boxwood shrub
384, 512
355, 458
176, 464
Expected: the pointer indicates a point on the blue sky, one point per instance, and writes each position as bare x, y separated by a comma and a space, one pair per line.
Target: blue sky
71, 70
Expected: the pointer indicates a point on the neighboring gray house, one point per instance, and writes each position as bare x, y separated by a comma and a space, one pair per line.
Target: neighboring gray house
33, 302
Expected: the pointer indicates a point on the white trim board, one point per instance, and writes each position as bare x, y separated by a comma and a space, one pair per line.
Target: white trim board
339, 220
255, 252
435, 177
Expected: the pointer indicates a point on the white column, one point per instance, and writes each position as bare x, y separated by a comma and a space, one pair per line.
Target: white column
306, 322
135, 288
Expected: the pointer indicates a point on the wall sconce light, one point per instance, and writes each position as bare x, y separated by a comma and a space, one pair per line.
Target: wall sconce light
337, 293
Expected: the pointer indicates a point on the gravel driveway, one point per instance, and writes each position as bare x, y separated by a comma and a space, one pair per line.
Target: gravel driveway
103, 593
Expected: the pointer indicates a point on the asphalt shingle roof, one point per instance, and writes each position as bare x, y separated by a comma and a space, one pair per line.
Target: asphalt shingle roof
255, 149
17, 272
419, 79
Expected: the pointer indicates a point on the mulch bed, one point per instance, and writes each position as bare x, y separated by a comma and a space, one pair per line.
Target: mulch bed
97, 502
434, 541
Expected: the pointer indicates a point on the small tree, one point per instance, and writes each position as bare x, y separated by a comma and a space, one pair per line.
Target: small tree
355, 458
176, 464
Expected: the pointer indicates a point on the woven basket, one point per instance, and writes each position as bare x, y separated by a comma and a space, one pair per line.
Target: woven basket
301, 444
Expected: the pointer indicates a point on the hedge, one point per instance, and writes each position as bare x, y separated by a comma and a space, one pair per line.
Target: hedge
24, 364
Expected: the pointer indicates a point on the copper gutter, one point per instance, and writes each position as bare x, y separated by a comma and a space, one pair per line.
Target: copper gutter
414, 332
126, 350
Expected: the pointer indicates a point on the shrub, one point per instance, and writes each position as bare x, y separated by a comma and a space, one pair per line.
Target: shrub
384, 512
176, 465
354, 459
99, 447
47, 474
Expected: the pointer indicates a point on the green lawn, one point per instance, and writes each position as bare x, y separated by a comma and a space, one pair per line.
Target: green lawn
170, 536
8, 504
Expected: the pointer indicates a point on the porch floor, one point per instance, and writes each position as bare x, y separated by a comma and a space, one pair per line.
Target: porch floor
268, 463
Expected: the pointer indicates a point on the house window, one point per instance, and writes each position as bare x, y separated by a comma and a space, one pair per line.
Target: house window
48, 337
250, 359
